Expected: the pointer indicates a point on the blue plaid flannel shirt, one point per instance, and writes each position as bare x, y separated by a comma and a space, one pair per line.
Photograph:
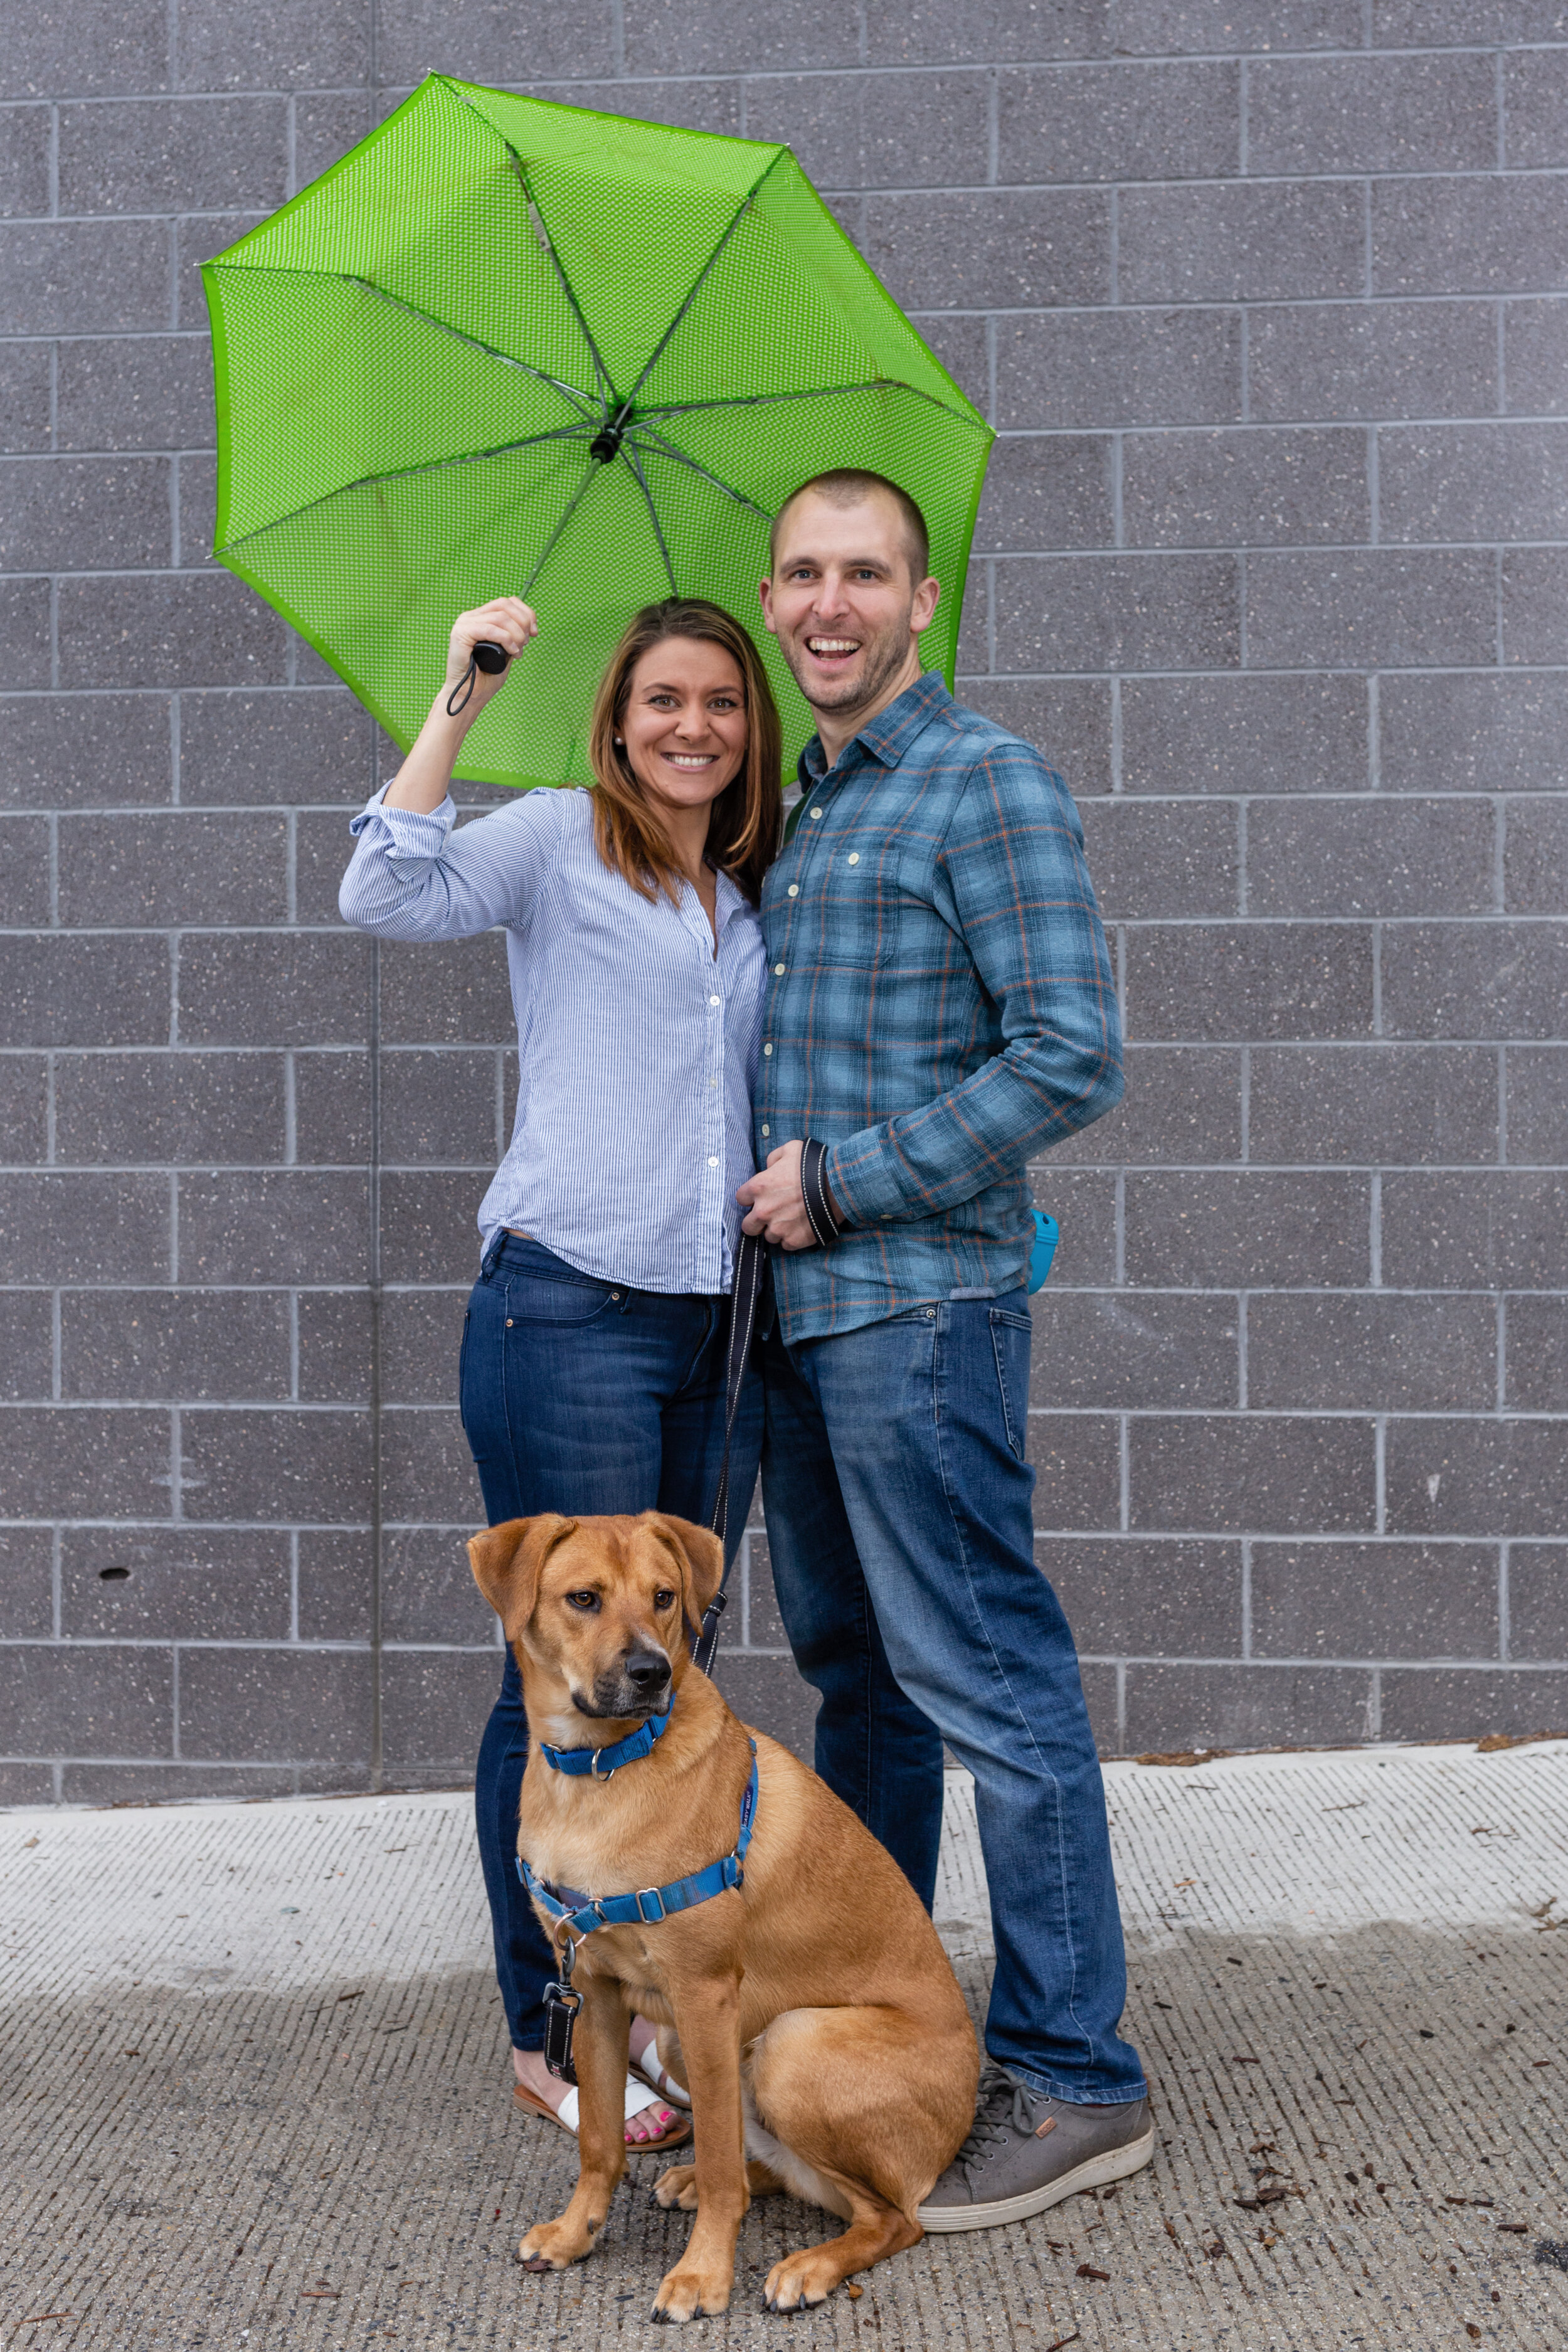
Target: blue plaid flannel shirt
939, 1007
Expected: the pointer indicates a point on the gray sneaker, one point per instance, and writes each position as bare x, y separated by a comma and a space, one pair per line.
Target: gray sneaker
1025, 2152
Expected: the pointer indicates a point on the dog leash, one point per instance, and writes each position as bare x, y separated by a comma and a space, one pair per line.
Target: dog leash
745, 1298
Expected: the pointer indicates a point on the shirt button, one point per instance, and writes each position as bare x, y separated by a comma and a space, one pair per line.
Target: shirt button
712, 1163
767, 1131
778, 967
855, 858
767, 1049
714, 1000
816, 812
794, 890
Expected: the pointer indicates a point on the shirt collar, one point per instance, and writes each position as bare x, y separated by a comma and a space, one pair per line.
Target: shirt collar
889, 735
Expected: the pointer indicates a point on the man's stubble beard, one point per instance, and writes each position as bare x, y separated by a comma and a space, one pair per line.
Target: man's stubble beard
876, 676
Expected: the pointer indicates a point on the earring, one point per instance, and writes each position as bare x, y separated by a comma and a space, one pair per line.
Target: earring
620, 742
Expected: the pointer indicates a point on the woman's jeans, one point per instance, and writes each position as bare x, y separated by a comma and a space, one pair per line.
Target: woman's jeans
581, 1397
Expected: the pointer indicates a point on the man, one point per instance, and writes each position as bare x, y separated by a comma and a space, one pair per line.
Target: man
940, 1008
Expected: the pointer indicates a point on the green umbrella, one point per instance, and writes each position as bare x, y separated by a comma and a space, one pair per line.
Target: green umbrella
510, 348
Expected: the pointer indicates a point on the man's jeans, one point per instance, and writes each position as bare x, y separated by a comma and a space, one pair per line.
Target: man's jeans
901, 1530
582, 1398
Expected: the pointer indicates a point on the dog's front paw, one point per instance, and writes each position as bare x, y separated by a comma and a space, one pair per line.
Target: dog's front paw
552, 2246
677, 2187
691, 2292
801, 2280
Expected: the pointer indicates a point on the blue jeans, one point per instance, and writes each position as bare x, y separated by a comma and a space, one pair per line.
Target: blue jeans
580, 1397
899, 1504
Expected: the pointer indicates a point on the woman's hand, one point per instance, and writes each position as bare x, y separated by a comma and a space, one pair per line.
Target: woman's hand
507, 622
421, 782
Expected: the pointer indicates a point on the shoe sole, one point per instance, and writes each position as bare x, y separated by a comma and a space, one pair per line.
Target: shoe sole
1115, 2164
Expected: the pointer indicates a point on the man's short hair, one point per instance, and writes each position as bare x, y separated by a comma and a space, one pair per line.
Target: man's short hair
851, 486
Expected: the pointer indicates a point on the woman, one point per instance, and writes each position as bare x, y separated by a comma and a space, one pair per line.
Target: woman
592, 1374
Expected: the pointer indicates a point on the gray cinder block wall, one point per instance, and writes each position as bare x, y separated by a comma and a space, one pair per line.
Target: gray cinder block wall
1266, 303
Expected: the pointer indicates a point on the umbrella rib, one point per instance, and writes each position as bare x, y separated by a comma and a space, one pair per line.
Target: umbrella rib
668, 449
811, 392
576, 503
606, 388
585, 400
635, 464
408, 473
697, 281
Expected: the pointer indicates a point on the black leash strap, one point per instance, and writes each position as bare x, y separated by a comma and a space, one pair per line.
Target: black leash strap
745, 1300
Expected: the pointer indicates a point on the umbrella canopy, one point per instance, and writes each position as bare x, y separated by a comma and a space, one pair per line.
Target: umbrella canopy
510, 347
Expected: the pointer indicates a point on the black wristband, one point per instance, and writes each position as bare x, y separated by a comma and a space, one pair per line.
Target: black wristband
814, 1192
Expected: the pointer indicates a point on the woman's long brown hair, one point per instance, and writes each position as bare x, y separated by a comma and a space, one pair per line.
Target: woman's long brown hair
746, 820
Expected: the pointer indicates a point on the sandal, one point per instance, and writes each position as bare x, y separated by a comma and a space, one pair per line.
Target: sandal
673, 2094
639, 2095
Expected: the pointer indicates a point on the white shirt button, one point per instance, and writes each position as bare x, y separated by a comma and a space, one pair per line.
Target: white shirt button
767, 1131
794, 890
767, 1049
855, 858
816, 812
778, 967
712, 1163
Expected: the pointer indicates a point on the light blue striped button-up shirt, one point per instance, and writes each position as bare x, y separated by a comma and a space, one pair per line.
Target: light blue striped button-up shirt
637, 1044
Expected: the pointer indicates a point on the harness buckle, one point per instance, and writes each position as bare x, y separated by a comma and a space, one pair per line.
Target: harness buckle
650, 1895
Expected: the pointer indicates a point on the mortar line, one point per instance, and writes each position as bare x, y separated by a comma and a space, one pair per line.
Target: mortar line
1380, 1473
1503, 1160
1374, 733
1242, 1374
1247, 1600
56, 1546
1374, 1230
1501, 1350
1125, 1474
1504, 1604
1116, 739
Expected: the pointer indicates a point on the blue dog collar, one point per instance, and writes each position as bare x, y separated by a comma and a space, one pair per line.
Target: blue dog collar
598, 1763
579, 1914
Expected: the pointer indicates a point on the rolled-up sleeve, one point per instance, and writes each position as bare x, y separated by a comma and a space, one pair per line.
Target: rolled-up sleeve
415, 877
1013, 874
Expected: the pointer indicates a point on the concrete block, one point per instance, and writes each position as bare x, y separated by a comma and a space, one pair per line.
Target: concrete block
209, 1346
1188, 982
84, 1462
1535, 857
320, 839
1475, 733
1107, 1349
83, 750
84, 278
287, 746
1049, 490
428, 1593
25, 633
27, 1784
24, 1107
991, 250
456, 993
151, 155
185, 1584
334, 1347
688, 104
434, 1706
1473, 481
727, 37
1126, 1593
1432, 1703
196, 490
26, 1348
1183, 1103
25, 850
1480, 1477
288, 1706
175, 1784
331, 1107
765, 1627
440, 1108
769, 1696
53, 508
88, 1227
1418, 24
1118, 122
273, 1225
1378, 609
223, 45
974, 652
275, 1465
1271, 1475
1377, 1352
1501, 1229
1243, 734
1537, 1099
1372, 359
1475, 979
1097, 370
421, 1332
1279, 243
24, 397
428, 1471
334, 1584
1241, 1706
1215, 1229
1489, 233
247, 989
327, 123
1535, 109
1168, 26
137, 392
1116, 612
1244, 488
1083, 1202
1374, 1601
173, 629
1077, 1474
1534, 627
181, 866
959, 343
430, 1229
859, 131
1375, 855
1067, 718
180, 1108
1373, 1105
59, 990
1161, 858
26, 1590
24, 162
1535, 357
111, 1701
198, 237
92, 48
1538, 1601
984, 30
1372, 114
1537, 1355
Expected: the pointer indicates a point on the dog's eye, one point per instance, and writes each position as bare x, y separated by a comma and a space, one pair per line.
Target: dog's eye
663, 1601
584, 1601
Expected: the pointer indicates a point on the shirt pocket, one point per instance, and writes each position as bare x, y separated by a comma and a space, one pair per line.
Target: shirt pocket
858, 915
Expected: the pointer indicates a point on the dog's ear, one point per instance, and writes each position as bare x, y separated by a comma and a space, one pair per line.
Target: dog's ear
509, 1560
704, 1555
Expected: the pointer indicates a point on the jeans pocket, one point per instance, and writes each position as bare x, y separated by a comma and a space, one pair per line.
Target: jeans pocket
540, 1298
1010, 1336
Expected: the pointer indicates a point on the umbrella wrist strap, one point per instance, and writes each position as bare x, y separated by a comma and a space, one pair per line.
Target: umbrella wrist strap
462, 694
744, 1301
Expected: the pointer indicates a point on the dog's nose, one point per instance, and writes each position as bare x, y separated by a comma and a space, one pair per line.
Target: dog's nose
646, 1669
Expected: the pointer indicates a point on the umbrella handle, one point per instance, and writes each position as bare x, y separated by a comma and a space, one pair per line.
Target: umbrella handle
487, 655
491, 657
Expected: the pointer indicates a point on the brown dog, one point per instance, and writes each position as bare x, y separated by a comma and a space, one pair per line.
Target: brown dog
812, 2012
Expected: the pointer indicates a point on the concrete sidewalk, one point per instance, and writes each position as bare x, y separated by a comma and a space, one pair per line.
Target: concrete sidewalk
254, 2084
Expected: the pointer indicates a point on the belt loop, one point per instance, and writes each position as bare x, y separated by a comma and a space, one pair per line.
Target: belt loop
488, 1262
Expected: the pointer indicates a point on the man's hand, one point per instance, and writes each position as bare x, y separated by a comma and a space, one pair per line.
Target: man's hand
776, 1203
